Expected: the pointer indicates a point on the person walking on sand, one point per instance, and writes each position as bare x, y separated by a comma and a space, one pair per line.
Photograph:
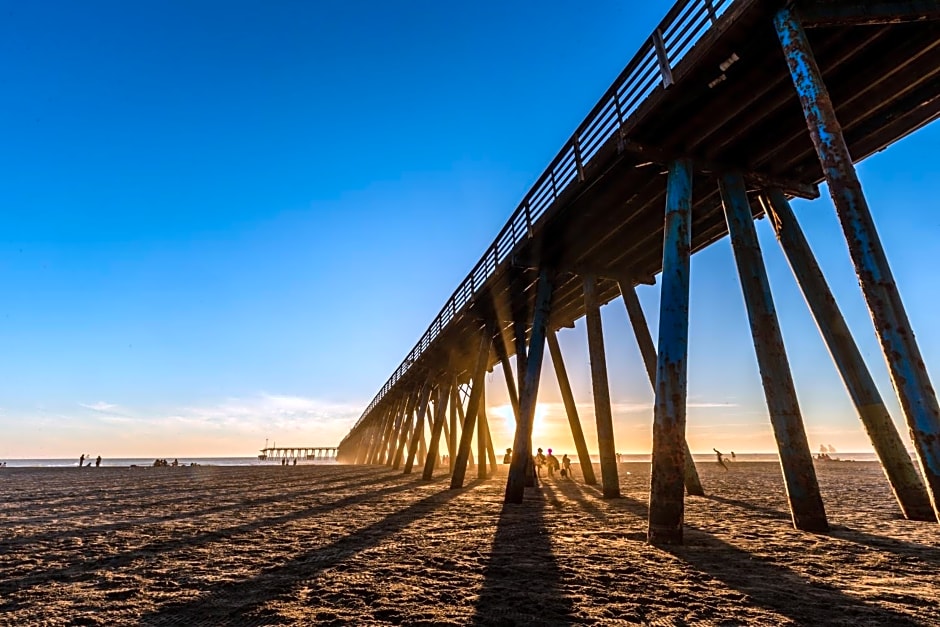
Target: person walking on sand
539, 462
565, 466
98, 462
81, 460
507, 458
552, 463
721, 461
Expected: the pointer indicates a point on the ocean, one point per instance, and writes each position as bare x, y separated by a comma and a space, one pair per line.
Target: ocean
254, 461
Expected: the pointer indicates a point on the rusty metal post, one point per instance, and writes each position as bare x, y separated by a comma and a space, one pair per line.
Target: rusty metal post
908, 372
799, 476
908, 489
644, 339
473, 406
610, 481
667, 501
481, 432
584, 458
522, 448
418, 431
440, 417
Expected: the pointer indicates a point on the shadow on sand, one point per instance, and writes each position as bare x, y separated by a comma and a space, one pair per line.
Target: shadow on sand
522, 583
772, 586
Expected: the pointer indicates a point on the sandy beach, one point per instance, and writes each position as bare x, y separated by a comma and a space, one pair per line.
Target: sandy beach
363, 545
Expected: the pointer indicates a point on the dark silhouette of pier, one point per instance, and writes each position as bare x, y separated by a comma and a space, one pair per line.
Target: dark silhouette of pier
730, 109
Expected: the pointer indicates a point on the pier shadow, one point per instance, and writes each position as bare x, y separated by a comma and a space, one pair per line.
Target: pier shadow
521, 582
902, 548
772, 586
272, 498
242, 602
93, 570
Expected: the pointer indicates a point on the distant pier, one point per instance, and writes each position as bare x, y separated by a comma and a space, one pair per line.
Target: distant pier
308, 453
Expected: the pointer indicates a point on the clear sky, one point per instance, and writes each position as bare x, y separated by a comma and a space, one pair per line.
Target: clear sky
229, 221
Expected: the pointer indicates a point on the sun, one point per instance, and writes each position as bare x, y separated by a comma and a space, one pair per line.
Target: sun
508, 426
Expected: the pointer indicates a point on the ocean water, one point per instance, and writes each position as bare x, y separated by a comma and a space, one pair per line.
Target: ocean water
254, 461
137, 461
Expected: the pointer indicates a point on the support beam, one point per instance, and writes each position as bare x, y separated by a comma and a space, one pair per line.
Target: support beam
395, 435
908, 489
667, 501
407, 426
490, 452
452, 436
905, 364
799, 475
461, 417
440, 418
481, 432
473, 405
644, 339
610, 481
867, 12
417, 434
522, 447
584, 458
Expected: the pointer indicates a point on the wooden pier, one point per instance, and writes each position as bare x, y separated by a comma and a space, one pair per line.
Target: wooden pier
290, 453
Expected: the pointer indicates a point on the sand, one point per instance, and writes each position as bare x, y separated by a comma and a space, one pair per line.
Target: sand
360, 545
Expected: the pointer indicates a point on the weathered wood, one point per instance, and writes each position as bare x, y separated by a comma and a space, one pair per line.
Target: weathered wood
667, 501
515, 484
796, 459
440, 419
481, 432
571, 409
473, 405
418, 430
644, 339
610, 481
908, 488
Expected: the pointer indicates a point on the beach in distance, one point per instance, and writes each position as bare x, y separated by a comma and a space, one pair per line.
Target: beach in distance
332, 544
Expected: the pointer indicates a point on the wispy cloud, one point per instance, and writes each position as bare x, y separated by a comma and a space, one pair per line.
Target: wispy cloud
267, 410
100, 406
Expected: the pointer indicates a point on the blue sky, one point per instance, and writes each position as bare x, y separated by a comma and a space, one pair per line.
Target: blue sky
229, 221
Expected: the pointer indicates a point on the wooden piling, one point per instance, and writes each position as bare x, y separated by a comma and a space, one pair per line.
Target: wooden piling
571, 409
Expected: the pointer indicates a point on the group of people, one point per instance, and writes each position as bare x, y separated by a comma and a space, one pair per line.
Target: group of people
549, 462
162, 463
81, 461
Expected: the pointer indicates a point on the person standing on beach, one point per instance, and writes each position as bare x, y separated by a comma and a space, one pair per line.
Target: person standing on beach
98, 462
507, 458
81, 460
552, 462
565, 466
539, 461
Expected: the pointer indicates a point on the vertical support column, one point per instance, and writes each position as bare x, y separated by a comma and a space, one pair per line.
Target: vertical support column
796, 460
440, 418
362, 446
644, 339
481, 432
461, 417
522, 447
584, 458
490, 453
667, 501
407, 424
602, 414
394, 434
417, 435
473, 405
908, 372
452, 436
902, 475
397, 408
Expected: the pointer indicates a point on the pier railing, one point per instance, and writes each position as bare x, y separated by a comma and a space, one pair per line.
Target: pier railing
652, 65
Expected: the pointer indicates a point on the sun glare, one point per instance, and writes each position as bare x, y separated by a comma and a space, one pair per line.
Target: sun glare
509, 420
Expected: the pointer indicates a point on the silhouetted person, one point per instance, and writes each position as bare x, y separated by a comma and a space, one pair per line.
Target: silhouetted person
539, 461
733, 458
507, 458
565, 466
721, 461
81, 460
552, 463
618, 458
295, 461
98, 462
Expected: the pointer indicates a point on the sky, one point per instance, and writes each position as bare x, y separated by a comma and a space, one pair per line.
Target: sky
228, 222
